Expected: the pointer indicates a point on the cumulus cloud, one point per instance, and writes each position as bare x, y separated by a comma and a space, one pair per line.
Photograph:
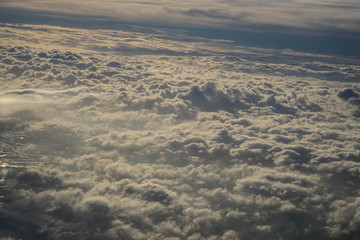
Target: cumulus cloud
351, 97
99, 145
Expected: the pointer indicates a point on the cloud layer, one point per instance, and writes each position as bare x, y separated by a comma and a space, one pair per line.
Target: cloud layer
133, 136
325, 16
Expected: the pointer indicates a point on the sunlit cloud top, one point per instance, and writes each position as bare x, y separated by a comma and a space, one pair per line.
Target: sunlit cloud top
179, 120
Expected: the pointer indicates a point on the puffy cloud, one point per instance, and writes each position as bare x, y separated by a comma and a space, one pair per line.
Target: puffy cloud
99, 145
344, 219
351, 97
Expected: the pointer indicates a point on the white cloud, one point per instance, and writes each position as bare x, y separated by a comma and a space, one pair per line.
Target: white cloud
100, 145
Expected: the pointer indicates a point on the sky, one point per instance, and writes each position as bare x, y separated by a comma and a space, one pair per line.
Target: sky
179, 120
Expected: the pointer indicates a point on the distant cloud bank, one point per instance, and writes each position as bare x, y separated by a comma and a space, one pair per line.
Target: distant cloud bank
264, 15
325, 26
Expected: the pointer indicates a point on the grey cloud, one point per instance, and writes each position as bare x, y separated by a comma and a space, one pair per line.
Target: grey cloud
347, 93
7, 124
16, 71
113, 64
15, 226
351, 97
213, 13
344, 220
37, 179
205, 13
211, 99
